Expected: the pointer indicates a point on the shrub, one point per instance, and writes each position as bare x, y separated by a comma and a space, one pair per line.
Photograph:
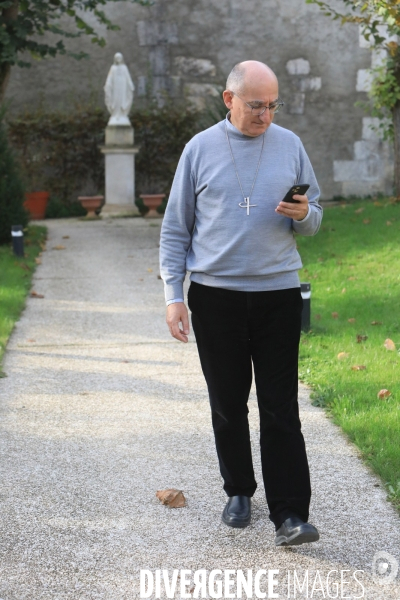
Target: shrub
12, 192
59, 151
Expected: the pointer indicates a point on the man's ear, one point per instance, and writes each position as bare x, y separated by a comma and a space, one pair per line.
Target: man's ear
227, 97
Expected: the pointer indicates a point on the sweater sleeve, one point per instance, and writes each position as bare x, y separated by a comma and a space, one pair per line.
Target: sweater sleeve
311, 223
176, 231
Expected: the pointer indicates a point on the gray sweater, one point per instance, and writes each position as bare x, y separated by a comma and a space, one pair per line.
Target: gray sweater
206, 232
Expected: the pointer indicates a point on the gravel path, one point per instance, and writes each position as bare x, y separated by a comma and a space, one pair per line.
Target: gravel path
101, 408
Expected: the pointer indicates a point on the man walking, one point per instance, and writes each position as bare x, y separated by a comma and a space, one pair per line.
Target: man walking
226, 223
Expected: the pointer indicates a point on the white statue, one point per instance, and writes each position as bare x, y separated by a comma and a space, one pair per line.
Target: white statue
118, 90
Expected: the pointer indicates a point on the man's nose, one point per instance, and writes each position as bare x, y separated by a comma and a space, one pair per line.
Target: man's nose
266, 117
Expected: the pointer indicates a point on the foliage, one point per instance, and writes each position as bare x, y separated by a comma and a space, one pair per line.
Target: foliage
23, 23
353, 265
375, 17
59, 151
161, 134
15, 281
12, 191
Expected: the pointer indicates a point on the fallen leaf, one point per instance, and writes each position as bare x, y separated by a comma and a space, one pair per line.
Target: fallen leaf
34, 294
149, 270
31, 341
359, 211
358, 367
343, 290
24, 266
388, 222
382, 394
59, 247
376, 322
361, 338
389, 344
342, 355
335, 315
366, 221
65, 237
351, 320
43, 246
172, 498
352, 278
38, 261
159, 277
318, 317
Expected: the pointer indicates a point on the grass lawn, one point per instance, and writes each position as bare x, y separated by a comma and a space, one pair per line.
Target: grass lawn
353, 265
15, 281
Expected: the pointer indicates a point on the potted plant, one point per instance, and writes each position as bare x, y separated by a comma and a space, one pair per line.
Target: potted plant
153, 198
37, 198
91, 200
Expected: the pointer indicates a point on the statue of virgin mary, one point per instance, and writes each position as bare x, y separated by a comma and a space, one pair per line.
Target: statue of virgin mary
119, 90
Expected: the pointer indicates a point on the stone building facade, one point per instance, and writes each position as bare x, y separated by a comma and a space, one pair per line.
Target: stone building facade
188, 48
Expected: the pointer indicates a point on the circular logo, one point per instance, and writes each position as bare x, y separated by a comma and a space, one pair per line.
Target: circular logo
384, 568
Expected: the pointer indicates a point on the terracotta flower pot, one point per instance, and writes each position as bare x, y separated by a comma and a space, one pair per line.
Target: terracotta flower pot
91, 204
36, 204
152, 201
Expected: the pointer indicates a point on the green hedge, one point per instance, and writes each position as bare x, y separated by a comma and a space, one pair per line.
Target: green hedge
59, 151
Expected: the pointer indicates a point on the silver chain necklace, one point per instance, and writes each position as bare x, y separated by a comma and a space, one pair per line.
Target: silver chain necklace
246, 204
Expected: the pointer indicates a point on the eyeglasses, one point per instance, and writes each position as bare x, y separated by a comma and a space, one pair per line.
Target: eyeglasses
257, 111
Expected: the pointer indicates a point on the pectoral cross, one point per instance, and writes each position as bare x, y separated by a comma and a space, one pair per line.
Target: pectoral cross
246, 204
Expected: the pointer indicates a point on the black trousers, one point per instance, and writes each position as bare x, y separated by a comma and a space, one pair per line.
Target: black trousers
234, 330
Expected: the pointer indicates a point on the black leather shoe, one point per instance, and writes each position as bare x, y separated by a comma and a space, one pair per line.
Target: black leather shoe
237, 512
294, 532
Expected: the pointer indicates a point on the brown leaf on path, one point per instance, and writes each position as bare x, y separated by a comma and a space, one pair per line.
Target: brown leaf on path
34, 294
382, 394
159, 277
376, 322
389, 344
358, 367
361, 338
172, 498
38, 261
59, 247
342, 355
30, 340
335, 315
65, 237
351, 320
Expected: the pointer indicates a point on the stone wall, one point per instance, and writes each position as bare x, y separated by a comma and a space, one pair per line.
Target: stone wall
188, 48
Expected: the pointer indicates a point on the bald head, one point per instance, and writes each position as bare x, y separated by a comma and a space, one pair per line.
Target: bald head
247, 74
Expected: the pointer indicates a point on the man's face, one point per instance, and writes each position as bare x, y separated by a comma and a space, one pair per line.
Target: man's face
257, 94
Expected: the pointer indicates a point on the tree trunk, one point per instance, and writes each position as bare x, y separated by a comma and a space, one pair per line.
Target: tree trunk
8, 14
396, 125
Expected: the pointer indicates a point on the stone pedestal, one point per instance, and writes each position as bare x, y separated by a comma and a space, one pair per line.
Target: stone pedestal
119, 154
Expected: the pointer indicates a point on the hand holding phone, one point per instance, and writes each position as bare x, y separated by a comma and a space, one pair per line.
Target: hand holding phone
299, 189
297, 209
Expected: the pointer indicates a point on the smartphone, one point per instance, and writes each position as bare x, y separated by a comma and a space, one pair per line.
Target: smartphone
300, 189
